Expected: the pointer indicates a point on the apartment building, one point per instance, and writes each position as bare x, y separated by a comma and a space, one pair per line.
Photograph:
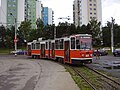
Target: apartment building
21, 10
85, 10
0, 15
9, 7
48, 16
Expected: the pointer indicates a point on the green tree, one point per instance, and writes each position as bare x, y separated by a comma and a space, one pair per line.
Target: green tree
40, 28
24, 30
10, 37
106, 31
83, 29
72, 29
94, 30
2, 36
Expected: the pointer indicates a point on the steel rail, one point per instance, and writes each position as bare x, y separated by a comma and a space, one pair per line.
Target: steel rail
78, 72
105, 76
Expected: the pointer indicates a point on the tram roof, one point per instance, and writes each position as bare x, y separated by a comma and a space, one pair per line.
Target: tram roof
81, 35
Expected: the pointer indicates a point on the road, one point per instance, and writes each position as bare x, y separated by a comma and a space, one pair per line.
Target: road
22, 73
107, 63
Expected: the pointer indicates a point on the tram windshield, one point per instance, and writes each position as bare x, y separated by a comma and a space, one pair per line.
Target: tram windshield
83, 43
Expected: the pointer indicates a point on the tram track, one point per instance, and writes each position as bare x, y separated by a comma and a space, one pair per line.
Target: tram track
113, 83
78, 72
100, 81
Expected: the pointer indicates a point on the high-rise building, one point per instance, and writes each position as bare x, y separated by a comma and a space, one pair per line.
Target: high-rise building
85, 10
21, 10
9, 7
39, 10
0, 15
3, 15
30, 11
33, 11
48, 16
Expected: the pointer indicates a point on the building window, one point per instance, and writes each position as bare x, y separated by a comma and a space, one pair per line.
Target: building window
90, 0
94, 17
95, 9
90, 8
90, 4
94, 4
94, 13
94, 0
80, 18
90, 17
90, 13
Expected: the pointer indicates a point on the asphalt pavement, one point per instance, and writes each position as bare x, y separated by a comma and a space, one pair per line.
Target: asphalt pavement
108, 64
22, 73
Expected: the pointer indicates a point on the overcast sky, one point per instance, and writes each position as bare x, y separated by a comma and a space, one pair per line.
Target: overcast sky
63, 8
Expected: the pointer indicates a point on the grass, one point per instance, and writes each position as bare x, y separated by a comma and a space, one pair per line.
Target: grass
79, 81
7, 50
4, 51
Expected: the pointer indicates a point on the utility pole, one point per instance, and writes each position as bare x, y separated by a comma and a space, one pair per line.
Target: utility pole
112, 40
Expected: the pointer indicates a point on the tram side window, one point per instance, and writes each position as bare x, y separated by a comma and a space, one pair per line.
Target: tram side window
61, 44
72, 43
46, 45
77, 43
56, 44
33, 46
49, 45
37, 45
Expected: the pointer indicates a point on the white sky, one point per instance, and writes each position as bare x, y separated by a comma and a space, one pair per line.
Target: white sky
64, 8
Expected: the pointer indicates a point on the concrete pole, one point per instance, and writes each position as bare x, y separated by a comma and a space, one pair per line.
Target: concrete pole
15, 39
15, 36
112, 40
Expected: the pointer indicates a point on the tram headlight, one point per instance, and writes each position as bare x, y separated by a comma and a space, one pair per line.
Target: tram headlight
91, 55
82, 55
87, 55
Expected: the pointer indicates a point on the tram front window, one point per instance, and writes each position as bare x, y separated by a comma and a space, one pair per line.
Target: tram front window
85, 45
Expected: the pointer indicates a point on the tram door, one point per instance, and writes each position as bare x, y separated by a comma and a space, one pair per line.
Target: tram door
29, 50
42, 50
49, 49
67, 51
53, 50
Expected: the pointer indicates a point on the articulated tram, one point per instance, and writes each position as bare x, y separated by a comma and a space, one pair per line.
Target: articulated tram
74, 49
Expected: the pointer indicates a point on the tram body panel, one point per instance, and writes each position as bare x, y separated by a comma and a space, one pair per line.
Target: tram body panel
36, 52
59, 53
47, 53
80, 54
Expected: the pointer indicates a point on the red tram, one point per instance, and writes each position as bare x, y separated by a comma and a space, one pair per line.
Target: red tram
74, 49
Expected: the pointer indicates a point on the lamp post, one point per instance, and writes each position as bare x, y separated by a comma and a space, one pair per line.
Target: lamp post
15, 39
